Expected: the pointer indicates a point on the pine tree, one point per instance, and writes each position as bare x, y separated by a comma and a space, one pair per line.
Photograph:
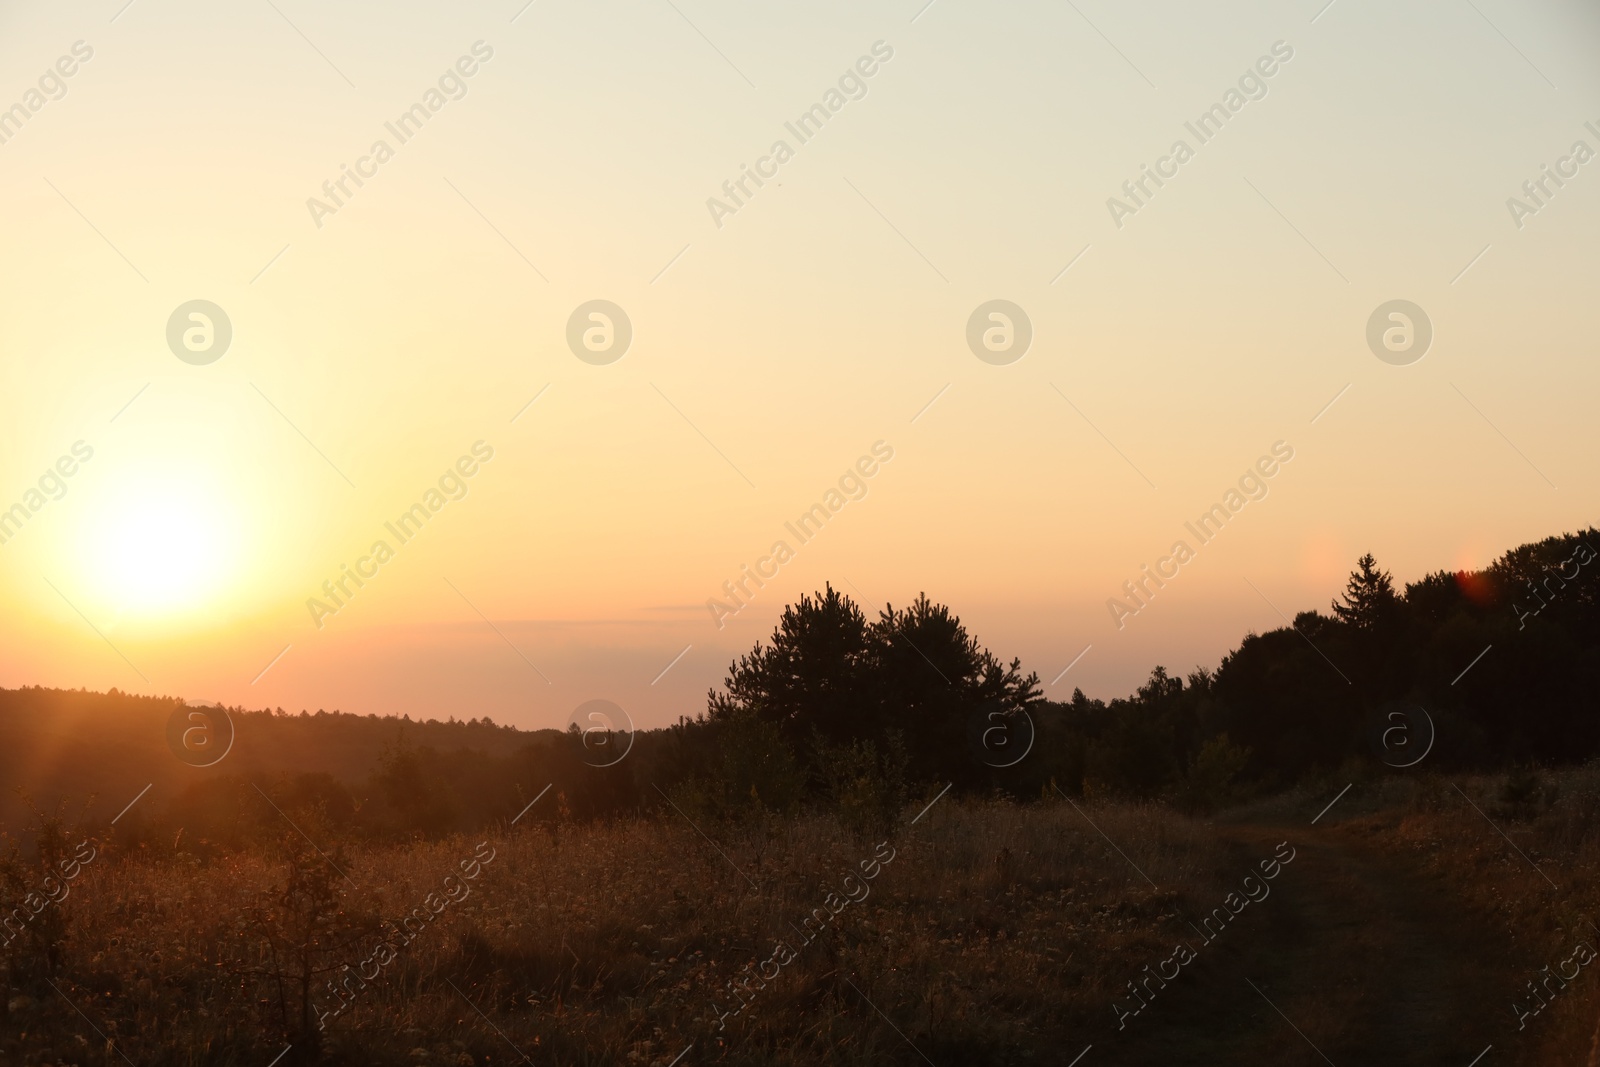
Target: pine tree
1369, 598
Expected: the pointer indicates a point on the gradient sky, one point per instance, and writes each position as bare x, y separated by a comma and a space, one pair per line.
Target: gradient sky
771, 352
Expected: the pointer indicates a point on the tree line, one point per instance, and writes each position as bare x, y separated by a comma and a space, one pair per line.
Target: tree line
860, 715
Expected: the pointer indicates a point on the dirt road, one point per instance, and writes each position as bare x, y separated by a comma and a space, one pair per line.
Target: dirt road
1357, 957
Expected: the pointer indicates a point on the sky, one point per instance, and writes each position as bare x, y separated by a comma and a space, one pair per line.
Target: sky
1342, 278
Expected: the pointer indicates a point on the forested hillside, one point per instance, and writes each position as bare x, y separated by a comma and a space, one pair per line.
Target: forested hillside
1480, 670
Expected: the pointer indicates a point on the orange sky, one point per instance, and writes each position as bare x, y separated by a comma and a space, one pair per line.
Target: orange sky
382, 332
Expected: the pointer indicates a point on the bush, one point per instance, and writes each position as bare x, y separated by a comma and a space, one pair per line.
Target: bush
1213, 778
867, 788
753, 771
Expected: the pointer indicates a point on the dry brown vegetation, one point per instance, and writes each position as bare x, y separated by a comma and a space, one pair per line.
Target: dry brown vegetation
1521, 853
998, 933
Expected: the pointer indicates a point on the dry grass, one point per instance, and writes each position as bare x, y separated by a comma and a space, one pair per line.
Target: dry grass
998, 933
1537, 918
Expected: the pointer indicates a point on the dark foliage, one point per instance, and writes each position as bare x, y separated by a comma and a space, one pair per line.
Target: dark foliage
840, 711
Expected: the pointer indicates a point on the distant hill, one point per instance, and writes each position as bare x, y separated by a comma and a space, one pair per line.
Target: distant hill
58, 744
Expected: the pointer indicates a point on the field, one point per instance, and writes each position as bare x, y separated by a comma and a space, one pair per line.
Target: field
617, 944
1401, 930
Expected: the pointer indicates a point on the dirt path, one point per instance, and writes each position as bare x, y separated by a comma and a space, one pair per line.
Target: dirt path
1365, 960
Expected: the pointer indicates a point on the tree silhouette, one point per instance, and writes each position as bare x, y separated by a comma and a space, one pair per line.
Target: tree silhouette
813, 674
1369, 599
827, 674
932, 679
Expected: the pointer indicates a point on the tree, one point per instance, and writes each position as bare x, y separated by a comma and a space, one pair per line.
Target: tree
1369, 598
829, 676
935, 682
812, 675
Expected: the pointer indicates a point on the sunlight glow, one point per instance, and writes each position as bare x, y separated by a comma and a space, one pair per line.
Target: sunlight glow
159, 547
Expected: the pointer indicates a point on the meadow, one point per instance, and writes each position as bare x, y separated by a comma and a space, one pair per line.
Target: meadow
988, 931
996, 933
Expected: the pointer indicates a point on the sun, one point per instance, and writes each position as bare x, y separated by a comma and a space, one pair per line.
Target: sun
160, 546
